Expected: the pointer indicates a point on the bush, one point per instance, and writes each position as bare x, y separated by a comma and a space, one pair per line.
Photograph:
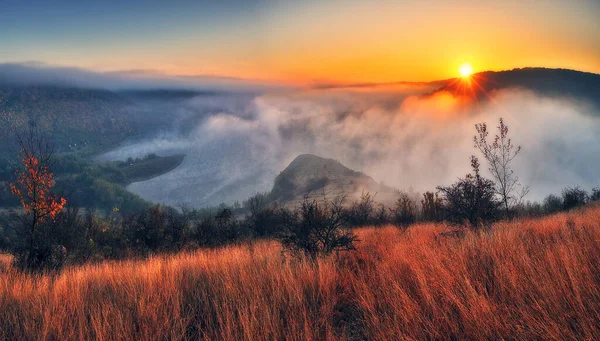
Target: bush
53, 240
431, 207
362, 211
261, 219
404, 212
552, 204
528, 209
595, 196
574, 197
470, 200
381, 215
315, 228
160, 228
219, 229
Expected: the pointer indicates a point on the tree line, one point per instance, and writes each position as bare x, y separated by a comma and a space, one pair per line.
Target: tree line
50, 233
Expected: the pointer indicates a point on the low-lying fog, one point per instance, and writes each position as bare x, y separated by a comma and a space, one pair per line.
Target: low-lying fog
236, 145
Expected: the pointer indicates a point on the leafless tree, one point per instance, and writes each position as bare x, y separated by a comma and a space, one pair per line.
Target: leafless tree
499, 154
316, 228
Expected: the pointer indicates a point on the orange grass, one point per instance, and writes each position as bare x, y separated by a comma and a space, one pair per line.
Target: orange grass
529, 279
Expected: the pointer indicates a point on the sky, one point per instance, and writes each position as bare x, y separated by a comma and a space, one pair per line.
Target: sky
309, 42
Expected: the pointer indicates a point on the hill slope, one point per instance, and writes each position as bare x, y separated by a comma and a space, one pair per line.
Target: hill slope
534, 279
312, 176
550, 82
73, 117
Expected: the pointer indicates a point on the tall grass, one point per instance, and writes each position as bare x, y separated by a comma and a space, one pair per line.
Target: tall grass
529, 279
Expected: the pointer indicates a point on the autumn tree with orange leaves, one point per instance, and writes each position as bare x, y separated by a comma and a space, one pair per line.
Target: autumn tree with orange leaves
34, 188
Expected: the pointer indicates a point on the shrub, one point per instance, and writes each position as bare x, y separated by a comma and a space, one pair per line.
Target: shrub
574, 197
595, 196
160, 228
315, 228
381, 215
431, 207
404, 212
527, 209
470, 200
219, 229
262, 219
552, 204
362, 211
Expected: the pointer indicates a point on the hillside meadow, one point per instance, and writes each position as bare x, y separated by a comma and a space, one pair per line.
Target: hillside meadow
525, 280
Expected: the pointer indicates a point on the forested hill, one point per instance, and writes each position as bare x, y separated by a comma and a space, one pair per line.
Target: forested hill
573, 84
73, 117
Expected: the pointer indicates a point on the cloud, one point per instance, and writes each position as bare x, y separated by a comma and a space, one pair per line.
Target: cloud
41, 73
405, 138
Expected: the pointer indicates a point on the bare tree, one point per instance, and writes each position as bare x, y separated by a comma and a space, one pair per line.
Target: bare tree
499, 154
316, 228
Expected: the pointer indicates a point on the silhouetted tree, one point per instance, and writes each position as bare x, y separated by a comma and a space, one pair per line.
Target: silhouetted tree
573, 197
261, 219
552, 204
471, 199
404, 211
219, 228
361, 212
595, 196
528, 209
431, 207
381, 215
499, 154
316, 228
157, 229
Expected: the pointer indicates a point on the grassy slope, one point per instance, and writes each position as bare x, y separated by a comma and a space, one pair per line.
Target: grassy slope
530, 279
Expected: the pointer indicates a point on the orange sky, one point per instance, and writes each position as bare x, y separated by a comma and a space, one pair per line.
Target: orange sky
311, 42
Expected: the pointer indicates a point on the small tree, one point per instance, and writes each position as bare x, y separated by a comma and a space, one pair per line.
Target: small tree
381, 215
316, 228
471, 199
34, 187
262, 217
499, 154
595, 196
361, 212
404, 212
552, 204
573, 197
431, 206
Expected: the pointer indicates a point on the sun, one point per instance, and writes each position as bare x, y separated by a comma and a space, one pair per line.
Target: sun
465, 70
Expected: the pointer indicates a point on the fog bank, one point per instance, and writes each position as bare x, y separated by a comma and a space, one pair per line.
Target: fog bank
397, 135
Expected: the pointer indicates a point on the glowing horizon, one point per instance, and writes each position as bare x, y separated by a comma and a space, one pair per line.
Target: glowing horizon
303, 43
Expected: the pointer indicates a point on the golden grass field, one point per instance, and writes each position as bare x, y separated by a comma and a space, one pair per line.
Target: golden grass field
529, 279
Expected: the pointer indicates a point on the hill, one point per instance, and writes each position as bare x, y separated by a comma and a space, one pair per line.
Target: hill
533, 279
312, 176
550, 82
75, 118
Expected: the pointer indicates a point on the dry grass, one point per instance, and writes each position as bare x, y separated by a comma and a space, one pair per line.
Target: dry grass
530, 279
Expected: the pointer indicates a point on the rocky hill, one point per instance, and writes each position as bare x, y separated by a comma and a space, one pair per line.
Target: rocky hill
312, 176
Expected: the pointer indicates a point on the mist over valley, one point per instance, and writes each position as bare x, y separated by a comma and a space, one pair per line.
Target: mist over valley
404, 136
